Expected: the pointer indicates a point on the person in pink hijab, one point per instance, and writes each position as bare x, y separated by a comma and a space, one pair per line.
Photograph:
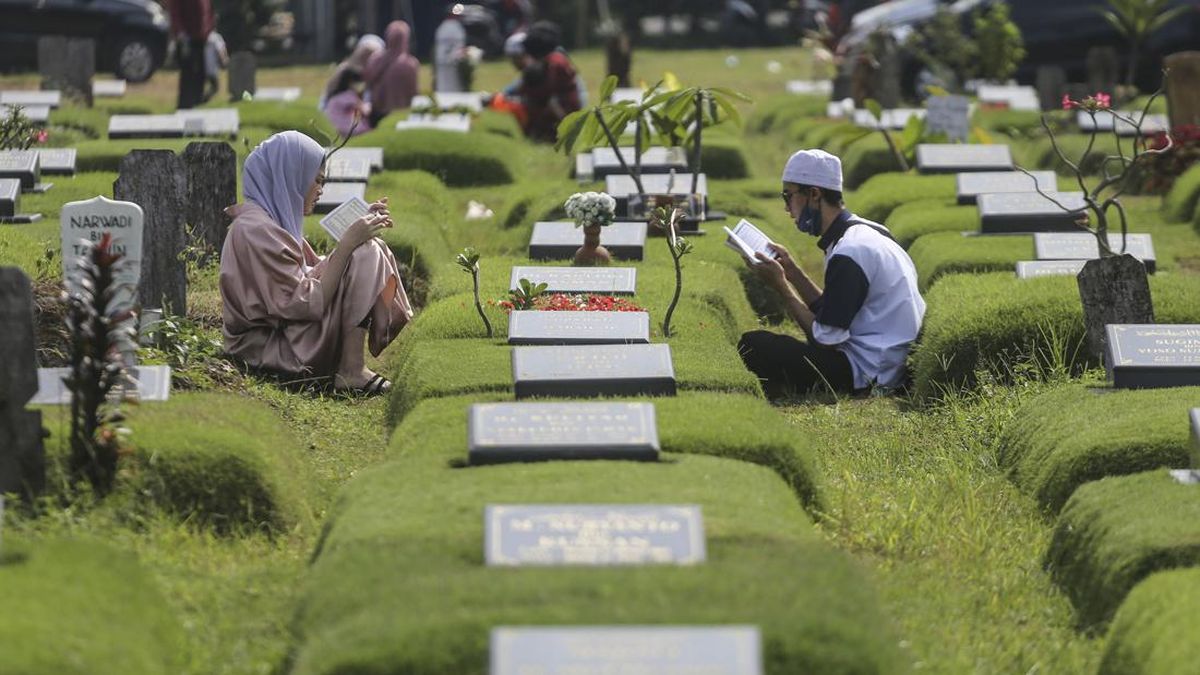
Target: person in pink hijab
391, 75
368, 45
285, 309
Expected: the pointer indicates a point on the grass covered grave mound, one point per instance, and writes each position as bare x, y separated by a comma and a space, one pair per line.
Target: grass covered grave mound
778, 112
1004, 325
459, 160
721, 158
1075, 434
1115, 532
865, 158
1154, 631
940, 215
766, 565
217, 460
1183, 200
879, 196
80, 606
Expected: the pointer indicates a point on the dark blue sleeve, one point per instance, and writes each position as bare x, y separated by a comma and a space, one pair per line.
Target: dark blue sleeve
845, 292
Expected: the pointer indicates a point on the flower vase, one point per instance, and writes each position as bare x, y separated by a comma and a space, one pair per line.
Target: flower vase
592, 254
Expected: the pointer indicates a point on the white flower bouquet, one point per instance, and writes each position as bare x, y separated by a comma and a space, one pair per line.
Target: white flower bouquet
591, 208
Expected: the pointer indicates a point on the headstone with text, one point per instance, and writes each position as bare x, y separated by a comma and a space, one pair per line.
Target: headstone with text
1153, 355
527, 432
22, 165
1032, 269
67, 64
334, 194
949, 115
1008, 212
243, 68
373, 156
1083, 246
57, 161
533, 327
456, 122
340, 169
971, 184
956, 158
593, 535
622, 187
156, 180
640, 650
593, 370
655, 159
211, 188
558, 240
85, 222
610, 280
22, 455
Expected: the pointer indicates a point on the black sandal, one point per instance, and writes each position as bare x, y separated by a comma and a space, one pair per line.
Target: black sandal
376, 386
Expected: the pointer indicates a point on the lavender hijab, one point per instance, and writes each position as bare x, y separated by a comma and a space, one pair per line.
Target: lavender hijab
277, 176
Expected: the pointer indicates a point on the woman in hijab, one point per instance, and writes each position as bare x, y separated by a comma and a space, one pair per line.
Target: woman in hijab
368, 45
286, 310
549, 89
391, 74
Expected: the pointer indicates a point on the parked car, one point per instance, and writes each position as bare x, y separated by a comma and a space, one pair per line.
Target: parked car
130, 35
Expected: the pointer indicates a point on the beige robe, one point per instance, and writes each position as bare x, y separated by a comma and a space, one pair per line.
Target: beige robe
277, 312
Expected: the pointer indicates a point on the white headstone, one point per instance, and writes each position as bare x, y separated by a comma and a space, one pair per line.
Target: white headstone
32, 98
87, 221
108, 88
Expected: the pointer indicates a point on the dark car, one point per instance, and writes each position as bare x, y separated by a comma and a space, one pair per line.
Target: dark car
130, 35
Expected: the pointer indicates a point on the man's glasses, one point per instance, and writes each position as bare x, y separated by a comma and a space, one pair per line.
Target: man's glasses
787, 196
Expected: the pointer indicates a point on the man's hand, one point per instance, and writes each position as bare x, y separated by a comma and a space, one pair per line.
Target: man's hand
785, 258
770, 270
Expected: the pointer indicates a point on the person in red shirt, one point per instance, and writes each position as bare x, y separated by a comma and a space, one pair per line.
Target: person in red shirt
191, 22
548, 87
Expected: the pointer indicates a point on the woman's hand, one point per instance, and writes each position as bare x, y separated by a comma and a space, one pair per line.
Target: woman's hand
365, 228
380, 206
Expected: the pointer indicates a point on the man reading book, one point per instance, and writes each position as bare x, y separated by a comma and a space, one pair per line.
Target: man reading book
861, 324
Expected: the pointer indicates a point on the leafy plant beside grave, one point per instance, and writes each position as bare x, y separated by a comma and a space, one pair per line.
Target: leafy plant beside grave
468, 260
678, 247
525, 295
18, 132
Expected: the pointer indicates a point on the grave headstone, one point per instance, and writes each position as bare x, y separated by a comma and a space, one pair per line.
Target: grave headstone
1103, 69
558, 240
631, 94
373, 156
333, 194
621, 186
971, 184
109, 88
145, 126
655, 159
1125, 122
1008, 212
1032, 269
57, 161
593, 370
955, 158
892, 118
223, 122
38, 114
32, 98
1183, 87
10, 197
1051, 85
470, 101
242, 72
886, 78
281, 94
340, 169
458, 123
211, 188
528, 432
67, 64
22, 456
664, 650
1153, 355
593, 534
88, 221
145, 383
611, 280
1012, 97
532, 327
1083, 246
585, 170
950, 115
22, 165
157, 181
810, 87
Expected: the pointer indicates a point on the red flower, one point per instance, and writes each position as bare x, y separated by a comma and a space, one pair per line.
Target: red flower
42, 135
1067, 103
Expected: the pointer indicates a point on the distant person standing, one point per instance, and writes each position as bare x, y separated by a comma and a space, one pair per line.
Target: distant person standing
449, 49
191, 22
368, 45
392, 74
216, 58
550, 89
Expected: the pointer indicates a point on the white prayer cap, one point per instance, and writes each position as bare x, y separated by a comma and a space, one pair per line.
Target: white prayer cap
515, 44
814, 167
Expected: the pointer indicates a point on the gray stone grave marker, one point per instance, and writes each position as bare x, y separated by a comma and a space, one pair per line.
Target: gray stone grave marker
527, 432
1051, 85
10, 198
558, 240
971, 184
955, 158
532, 327
593, 370
22, 456
373, 156
211, 188
1153, 355
1083, 246
1007, 212
347, 169
611, 280
281, 94
892, 118
455, 122
950, 115
145, 126
146, 383
640, 650
242, 70
1031, 269
223, 122
109, 88
448, 100
333, 194
31, 98
593, 534
810, 87
38, 114
67, 64
655, 159
1014, 97
622, 187
57, 161
157, 181
22, 165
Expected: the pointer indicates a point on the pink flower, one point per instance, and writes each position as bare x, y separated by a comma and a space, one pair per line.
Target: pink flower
42, 135
1103, 100
1067, 103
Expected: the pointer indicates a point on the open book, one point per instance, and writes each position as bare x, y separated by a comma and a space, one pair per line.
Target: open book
748, 240
340, 219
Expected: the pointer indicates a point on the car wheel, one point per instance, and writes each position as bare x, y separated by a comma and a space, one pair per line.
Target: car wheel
134, 60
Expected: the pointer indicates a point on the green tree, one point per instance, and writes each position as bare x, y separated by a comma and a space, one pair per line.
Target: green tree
1137, 20
1001, 47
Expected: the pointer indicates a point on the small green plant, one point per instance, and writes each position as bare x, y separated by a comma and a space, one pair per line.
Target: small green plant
18, 132
468, 260
678, 247
525, 295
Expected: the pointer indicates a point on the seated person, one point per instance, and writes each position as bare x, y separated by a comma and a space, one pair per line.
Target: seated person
288, 311
346, 106
860, 327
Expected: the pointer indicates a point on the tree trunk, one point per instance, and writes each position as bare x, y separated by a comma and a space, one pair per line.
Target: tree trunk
1114, 290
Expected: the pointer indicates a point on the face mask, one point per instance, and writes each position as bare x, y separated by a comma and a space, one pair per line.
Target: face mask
809, 221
